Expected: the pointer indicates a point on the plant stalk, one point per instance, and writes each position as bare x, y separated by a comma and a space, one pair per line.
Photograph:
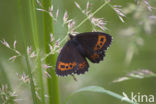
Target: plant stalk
52, 83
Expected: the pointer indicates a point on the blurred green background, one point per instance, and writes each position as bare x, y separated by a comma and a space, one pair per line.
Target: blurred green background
133, 48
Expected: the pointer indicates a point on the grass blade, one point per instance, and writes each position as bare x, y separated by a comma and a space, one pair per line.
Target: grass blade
34, 26
25, 51
52, 83
100, 90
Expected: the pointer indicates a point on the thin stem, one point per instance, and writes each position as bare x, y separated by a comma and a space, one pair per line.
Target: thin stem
31, 80
64, 39
25, 52
98, 9
14, 50
50, 53
106, 2
37, 46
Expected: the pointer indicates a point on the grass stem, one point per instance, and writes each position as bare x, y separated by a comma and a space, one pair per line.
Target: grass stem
34, 27
52, 83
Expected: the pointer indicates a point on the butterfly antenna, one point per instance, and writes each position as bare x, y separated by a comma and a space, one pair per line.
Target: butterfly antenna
74, 77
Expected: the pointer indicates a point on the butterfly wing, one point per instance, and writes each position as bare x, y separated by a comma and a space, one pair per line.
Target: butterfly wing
70, 61
94, 44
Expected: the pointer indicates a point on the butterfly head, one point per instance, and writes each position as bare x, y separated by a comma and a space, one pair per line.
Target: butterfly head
71, 36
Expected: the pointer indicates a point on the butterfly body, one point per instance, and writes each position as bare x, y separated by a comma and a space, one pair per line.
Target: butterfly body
72, 58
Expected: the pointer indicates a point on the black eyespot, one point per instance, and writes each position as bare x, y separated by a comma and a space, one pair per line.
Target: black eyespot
100, 43
62, 66
98, 46
66, 66
71, 66
101, 39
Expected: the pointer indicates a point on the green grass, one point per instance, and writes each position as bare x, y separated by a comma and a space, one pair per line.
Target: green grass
29, 69
40, 86
35, 34
52, 83
99, 89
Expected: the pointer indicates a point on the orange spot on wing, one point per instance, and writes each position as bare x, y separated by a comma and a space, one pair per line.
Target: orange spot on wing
82, 65
101, 41
66, 66
94, 56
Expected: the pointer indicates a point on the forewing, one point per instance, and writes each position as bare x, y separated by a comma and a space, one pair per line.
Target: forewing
70, 61
94, 44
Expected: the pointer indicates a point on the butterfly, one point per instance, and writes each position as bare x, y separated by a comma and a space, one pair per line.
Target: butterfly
72, 57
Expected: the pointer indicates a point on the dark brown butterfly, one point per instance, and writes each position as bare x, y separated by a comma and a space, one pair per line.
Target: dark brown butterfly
72, 58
